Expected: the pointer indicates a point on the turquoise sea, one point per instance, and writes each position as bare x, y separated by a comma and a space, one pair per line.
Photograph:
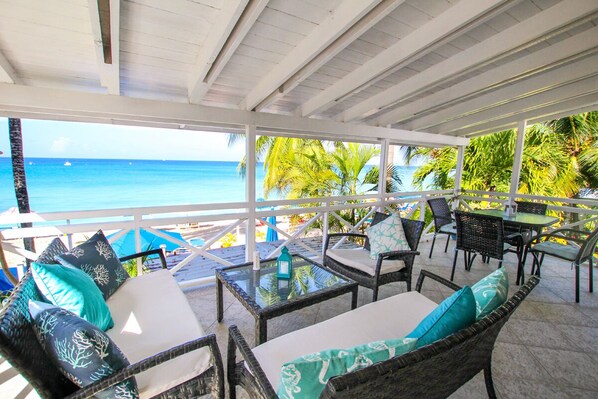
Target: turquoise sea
56, 184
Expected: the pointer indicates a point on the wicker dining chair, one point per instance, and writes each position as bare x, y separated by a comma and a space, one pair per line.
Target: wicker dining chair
484, 235
578, 247
413, 231
443, 220
527, 235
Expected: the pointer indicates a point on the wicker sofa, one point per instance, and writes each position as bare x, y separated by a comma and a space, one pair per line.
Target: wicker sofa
433, 371
154, 326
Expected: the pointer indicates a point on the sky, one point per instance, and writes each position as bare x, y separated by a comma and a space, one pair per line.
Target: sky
70, 140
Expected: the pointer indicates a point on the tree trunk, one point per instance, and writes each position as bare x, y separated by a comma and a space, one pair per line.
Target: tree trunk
18, 172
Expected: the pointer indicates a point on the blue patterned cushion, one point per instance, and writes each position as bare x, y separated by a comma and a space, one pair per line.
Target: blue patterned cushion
453, 314
97, 258
73, 290
82, 352
491, 292
55, 248
387, 236
306, 376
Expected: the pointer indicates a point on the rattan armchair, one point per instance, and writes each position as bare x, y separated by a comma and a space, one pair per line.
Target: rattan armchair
573, 245
413, 231
19, 346
443, 220
484, 235
433, 371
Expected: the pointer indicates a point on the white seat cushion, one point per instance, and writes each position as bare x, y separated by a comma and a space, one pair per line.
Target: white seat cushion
359, 259
151, 314
393, 317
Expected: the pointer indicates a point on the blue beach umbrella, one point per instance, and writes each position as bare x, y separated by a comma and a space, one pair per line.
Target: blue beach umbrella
125, 245
271, 234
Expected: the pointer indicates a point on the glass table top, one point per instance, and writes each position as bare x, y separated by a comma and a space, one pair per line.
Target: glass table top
267, 290
521, 218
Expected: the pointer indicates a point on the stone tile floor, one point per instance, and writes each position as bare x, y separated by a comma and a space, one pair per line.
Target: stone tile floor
548, 349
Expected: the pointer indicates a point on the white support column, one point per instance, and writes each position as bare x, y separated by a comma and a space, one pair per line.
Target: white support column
250, 191
517, 161
137, 219
384, 143
325, 227
458, 175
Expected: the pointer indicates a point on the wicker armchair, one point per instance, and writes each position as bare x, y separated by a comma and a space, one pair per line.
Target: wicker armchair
19, 345
578, 248
484, 235
443, 220
433, 371
413, 231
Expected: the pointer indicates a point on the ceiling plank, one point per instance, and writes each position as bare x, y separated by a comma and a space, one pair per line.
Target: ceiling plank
234, 22
104, 17
517, 37
522, 94
36, 102
338, 22
422, 41
7, 72
521, 68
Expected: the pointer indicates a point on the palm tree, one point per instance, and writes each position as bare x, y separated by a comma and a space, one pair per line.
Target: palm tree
18, 172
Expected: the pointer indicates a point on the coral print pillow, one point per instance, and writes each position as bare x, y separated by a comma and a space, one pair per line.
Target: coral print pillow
97, 258
82, 352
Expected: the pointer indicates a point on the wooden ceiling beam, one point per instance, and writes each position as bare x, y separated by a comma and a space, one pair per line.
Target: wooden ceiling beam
232, 25
7, 72
340, 20
534, 29
104, 17
463, 16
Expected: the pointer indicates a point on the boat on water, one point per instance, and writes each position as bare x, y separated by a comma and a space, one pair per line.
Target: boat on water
67, 163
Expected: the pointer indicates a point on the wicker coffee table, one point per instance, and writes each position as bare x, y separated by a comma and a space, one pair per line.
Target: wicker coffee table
265, 296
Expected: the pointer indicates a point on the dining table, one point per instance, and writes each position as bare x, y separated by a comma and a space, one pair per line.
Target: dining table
521, 220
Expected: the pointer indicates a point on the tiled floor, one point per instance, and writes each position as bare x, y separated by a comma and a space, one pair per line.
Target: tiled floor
548, 349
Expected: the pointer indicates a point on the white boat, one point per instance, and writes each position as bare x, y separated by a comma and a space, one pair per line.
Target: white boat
67, 163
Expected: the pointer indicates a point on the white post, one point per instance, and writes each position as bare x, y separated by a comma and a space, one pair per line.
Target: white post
384, 143
325, 227
517, 161
137, 219
250, 191
458, 176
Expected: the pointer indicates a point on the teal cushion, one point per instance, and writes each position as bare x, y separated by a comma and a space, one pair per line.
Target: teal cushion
490, 292
306, 376
453, 314
387, 236
82, 352
74, 291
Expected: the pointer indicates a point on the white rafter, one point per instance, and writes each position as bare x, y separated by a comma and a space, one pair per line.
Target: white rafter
337, 23
109, 73
225, 22
34, 102
233, 23
7, 72
522, 94
493, 79
353, 33
518, 36
466, 13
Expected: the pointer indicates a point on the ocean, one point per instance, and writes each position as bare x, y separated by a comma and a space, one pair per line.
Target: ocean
56, 184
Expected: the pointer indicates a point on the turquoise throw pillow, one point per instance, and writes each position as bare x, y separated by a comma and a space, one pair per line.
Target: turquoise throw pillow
306, 376
387, 236
491, 292
453, 314
73, 290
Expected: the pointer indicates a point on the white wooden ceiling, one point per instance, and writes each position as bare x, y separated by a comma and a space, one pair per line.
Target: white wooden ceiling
449, 67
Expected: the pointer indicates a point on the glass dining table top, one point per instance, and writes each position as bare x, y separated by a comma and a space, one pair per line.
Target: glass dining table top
266, 289
521, 218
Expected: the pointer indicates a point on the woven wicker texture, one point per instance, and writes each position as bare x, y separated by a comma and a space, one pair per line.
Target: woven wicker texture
481, 234
536, 208
413, 230
434, 371
442, 217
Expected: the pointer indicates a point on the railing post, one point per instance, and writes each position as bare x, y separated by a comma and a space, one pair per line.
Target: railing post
384, 144
517, 161
458, 176
69, 236
250, 191
325, 226
137, 218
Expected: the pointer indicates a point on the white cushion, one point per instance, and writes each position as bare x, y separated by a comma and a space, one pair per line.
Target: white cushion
393, 317
359, 259
151, 314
